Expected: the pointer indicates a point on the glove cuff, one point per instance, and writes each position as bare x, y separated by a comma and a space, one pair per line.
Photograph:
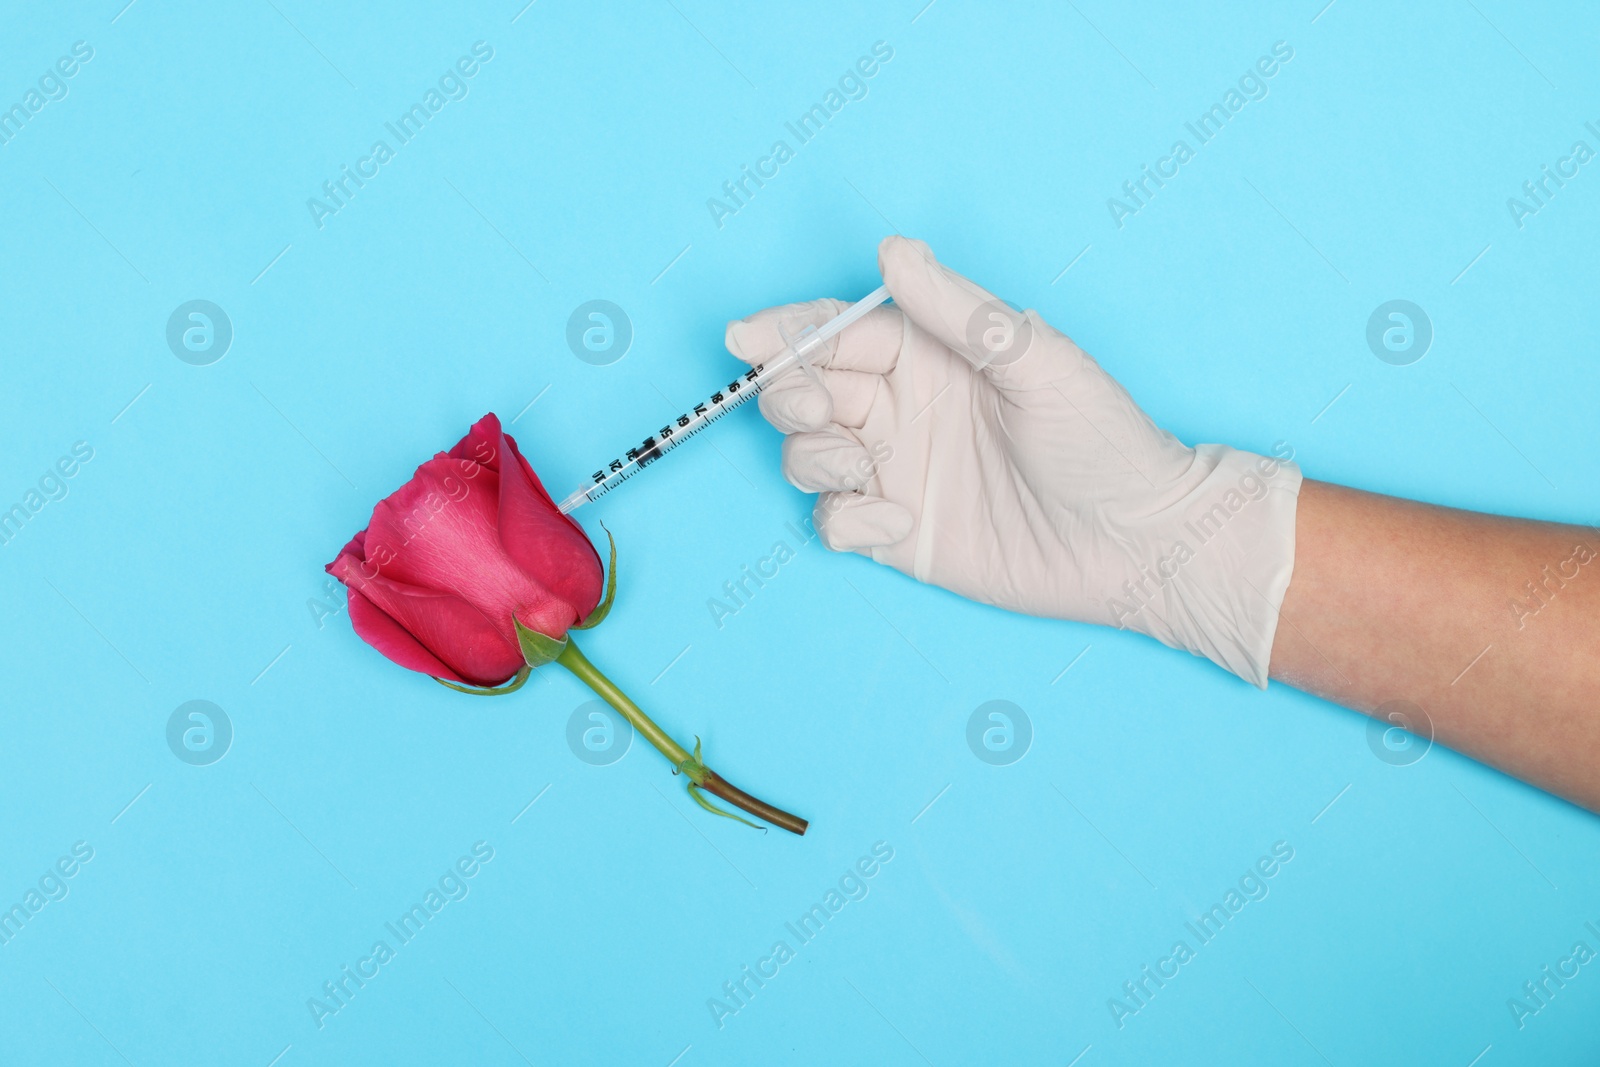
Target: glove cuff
1223, 548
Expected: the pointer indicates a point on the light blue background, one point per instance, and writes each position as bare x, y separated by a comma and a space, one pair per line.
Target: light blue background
1233, 307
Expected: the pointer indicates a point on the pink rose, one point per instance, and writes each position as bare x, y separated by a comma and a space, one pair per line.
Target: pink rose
470, 573
449, 559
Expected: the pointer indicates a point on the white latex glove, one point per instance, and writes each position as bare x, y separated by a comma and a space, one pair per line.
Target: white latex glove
978, 449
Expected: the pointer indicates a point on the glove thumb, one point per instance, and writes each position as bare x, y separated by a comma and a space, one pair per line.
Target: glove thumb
1009, 347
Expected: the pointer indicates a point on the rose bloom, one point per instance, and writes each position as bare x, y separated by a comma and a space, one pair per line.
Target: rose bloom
449, 558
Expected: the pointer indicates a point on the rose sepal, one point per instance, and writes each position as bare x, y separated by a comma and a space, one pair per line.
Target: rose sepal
697, 772
598, 615
537, 648
512, 686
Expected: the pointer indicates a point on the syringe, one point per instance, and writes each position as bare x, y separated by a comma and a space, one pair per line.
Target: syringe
802, 347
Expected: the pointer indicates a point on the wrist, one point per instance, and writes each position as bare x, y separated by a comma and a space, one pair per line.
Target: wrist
1209, 565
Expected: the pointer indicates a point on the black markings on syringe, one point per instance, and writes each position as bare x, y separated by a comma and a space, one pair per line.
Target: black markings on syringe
680, 429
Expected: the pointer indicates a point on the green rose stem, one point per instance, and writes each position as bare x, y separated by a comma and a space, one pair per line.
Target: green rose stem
698, 773
680, 759
538, 650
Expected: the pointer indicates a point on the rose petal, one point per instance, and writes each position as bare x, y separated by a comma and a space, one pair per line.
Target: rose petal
546, 543
390, 638
357, 546
450, 629
440, 531
548, 546
482, 445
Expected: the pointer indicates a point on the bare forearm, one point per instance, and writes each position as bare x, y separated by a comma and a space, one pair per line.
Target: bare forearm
1396, 600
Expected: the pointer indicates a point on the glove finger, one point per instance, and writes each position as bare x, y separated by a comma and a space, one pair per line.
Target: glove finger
796, 402
829, 460
1003, 343
871, 344
850, 522
757, 338
853, 393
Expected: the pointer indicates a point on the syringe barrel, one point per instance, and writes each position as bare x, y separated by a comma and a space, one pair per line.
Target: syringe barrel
853, 314
800, 349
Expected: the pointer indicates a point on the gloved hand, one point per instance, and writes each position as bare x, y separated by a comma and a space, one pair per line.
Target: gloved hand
978, 449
